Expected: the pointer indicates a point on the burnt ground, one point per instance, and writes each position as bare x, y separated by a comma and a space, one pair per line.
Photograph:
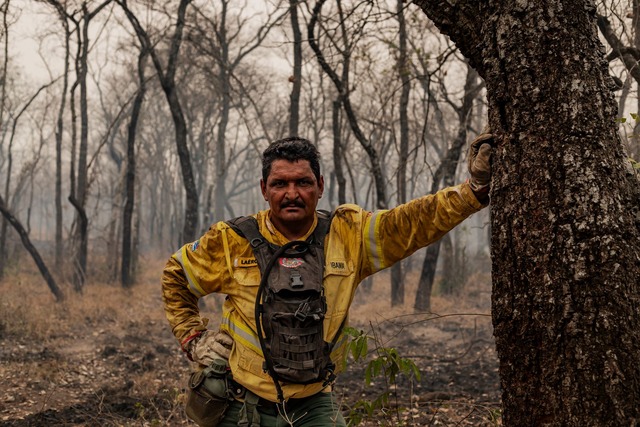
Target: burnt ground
120, 365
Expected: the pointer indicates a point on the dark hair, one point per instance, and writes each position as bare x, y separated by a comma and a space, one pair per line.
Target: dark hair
292, 148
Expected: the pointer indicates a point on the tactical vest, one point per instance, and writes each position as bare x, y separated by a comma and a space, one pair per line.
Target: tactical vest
290, 304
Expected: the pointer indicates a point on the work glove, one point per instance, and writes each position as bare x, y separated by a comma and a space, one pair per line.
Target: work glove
209, 346
479, 164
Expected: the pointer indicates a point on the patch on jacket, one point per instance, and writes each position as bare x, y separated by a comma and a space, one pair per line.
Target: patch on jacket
195, 245
245, 262
338, 266
290, 262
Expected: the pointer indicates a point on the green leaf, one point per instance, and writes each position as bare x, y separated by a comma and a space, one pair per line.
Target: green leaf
621, 120
358, 350
635, 116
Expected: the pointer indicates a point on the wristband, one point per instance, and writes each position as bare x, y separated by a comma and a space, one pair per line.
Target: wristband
185, 343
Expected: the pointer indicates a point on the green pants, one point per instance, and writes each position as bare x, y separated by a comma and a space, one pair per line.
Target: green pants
320, 410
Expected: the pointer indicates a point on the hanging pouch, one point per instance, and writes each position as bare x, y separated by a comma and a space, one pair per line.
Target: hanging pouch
208, 394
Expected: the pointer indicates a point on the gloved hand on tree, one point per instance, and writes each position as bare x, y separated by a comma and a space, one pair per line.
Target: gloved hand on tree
209, 346
479, 159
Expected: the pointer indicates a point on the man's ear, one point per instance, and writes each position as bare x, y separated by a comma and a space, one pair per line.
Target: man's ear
263, 188
321, 185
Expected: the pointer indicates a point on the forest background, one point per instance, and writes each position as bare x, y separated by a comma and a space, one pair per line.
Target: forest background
132, 126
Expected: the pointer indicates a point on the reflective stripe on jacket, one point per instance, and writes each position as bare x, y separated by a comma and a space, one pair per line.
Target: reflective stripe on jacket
359, 244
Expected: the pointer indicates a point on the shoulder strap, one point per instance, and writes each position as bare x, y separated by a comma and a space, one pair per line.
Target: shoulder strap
322, 228
247, 227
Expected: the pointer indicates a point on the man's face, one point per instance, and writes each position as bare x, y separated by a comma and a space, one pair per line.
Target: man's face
292, 191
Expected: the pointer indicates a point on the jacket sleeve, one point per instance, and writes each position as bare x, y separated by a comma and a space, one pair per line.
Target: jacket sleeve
195, 270
180, 305
391, 235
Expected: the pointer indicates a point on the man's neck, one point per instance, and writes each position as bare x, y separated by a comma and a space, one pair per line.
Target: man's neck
292, 231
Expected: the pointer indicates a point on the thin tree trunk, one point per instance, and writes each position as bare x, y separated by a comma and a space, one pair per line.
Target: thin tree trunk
79, 198
3, 98
26, 242
82, 238
126, 276
404, 72
167, 81
7, 185
634, 143
59, 134
338, 154
225, 83
296, 78
397, 282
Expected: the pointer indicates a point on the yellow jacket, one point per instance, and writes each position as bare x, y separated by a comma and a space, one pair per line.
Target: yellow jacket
358, 244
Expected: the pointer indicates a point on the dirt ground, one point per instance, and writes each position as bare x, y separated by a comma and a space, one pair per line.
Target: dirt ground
108, 358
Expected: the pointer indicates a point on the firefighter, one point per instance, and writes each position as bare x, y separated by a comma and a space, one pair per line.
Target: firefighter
358, 243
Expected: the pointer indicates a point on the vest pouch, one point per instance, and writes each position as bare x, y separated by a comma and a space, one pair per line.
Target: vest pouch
294, 335
208, 397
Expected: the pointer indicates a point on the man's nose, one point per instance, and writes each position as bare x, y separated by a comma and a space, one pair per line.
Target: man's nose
292, 191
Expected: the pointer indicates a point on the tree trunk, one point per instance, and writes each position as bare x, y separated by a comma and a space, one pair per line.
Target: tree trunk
397, 282
634, 151
404, 73
26, 242
224, 76
126, 276
79, 198
338, 153
294, 98
3, 98
565, 209
167, 81
7, 183
427, 276
4, 255
452, 264
59, 134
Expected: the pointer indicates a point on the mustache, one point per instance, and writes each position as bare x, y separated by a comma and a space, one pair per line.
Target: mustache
292, 203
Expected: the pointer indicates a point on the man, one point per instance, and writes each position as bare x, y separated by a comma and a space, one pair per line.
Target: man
358, 243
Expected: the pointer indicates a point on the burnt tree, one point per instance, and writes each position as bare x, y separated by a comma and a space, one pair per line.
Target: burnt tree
167, 77
565, 212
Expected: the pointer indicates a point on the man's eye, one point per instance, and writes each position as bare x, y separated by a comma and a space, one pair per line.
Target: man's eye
305, 183
278, 184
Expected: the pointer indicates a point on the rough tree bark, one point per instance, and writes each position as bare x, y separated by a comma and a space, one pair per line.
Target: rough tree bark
565, 213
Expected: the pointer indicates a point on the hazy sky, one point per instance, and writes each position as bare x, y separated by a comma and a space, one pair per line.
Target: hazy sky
23, 47
37, 30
